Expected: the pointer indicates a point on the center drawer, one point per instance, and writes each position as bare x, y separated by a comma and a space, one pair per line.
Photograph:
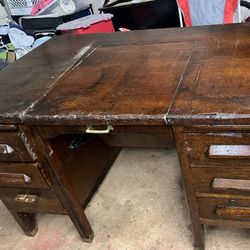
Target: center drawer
218, 147
25, 175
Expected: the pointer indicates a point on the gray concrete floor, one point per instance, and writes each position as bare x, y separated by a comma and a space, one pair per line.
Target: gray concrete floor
140, 205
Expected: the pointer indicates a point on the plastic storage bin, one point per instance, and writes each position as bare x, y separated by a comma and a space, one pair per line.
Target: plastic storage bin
101, 23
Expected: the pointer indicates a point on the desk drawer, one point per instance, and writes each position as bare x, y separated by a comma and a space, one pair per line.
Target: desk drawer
214, 179
14, 147
119, 136
224, 208
31, 201
25, 175
219, 147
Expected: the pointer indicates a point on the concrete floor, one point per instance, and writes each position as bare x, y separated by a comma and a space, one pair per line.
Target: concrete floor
140, 205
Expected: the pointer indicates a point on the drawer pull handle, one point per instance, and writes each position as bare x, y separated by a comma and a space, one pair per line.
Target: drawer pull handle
10, 178
6, 149
26, 198
232, 211
91, 130
229, 151
232, 184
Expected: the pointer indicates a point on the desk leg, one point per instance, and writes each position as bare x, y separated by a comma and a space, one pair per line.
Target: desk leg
198, 229
27, 221
70, 201
65, 191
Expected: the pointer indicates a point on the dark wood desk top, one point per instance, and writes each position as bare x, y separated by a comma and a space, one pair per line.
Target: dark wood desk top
117, 85
26, 80
215, 86
143, 77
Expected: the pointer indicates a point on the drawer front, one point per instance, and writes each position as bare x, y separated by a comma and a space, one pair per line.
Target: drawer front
31, 201
218, 147
214, 179
119, 136
14, 146
22, 175
224, 208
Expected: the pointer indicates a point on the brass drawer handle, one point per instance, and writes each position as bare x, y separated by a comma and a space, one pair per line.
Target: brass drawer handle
229, 151
6, 149
10, 178
232, 211
26, 198
91, 130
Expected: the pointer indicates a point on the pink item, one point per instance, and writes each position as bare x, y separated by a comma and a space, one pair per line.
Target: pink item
39, 6
124, 29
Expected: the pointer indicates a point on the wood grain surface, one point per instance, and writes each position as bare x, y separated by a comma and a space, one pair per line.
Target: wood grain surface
144, 72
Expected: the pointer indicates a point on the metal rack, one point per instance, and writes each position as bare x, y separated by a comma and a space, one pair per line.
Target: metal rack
19, 7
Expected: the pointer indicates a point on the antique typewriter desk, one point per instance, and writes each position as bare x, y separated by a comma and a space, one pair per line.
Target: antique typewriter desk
68, 107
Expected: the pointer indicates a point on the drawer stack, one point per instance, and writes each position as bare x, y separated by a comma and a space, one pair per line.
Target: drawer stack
220, 168
24, 182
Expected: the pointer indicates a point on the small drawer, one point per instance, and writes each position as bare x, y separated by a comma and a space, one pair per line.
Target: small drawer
224, 208
214, 179
24, 175
31, 201
14, 146
218, 147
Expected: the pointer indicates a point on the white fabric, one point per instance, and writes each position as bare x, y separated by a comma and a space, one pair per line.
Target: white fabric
4, 30
19, 39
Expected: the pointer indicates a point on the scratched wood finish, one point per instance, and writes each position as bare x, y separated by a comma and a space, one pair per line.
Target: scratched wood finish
26, 84
214, 88
30, 77
131, 84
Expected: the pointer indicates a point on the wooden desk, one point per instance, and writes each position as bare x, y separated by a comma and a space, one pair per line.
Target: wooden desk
68, 107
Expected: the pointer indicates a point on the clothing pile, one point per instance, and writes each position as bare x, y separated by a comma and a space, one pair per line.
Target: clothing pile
15, 43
